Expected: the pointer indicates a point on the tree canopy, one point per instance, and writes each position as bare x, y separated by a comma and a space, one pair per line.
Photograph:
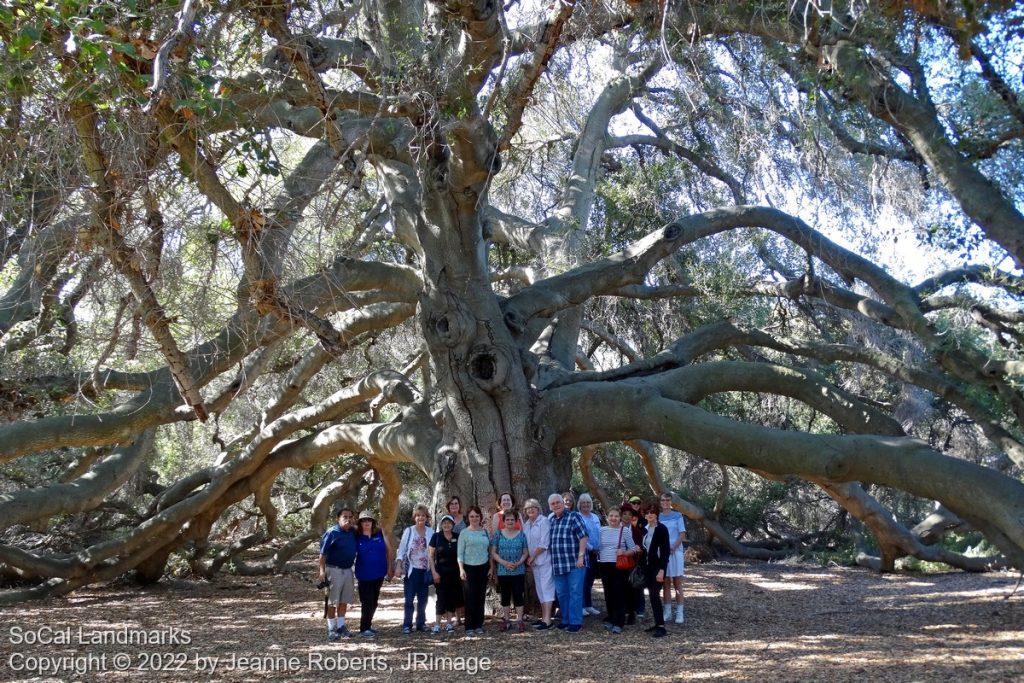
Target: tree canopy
261, 256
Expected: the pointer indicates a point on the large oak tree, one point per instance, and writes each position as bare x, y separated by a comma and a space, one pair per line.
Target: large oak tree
472, 238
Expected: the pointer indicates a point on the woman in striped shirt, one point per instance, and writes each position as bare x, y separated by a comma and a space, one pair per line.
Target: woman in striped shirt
616, 540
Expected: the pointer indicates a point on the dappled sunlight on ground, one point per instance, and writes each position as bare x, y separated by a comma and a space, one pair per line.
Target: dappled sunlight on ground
784, 586
744, 622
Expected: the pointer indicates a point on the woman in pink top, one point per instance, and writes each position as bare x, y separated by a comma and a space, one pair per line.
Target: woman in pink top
506, 502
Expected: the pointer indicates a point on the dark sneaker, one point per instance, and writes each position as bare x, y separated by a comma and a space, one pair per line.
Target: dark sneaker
407, 630
659, 632
542, 626
333, 636
575, 628
367, 634
343, 632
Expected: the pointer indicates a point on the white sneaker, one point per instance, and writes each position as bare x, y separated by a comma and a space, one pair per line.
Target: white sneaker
667, 613
679, 614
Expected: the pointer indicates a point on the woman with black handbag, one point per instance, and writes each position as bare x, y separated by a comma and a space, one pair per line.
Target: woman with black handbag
616, 557
656, 553
633, 522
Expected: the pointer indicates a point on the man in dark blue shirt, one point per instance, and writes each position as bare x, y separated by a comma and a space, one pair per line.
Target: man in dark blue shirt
337, 555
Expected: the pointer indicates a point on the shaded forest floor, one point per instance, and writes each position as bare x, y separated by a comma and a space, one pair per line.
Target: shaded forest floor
744, 622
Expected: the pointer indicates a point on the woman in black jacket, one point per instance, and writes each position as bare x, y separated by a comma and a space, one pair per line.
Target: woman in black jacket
656, 552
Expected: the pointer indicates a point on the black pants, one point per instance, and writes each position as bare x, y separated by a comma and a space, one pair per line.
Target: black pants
629, 595
475, 590
614, 581
513, 590
655, 588
449, 592
369, 594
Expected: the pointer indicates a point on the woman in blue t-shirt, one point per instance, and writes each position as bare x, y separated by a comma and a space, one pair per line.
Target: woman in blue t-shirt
509, 552
373, 565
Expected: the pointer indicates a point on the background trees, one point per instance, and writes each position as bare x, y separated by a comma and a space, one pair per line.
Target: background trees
259, 257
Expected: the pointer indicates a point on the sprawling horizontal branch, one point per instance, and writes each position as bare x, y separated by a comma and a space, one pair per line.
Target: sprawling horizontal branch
206, 495
893, 537
724, 335
628, 267
977, 274
158, 405
84, 493
581, 414
548, 296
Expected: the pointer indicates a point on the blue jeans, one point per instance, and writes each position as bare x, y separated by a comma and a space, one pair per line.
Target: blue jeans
416, 586
569, 590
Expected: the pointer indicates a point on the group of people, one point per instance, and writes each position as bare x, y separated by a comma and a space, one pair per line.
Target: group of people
566, 550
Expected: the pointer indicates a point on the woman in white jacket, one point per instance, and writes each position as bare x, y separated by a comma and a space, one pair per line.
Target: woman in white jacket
536, 529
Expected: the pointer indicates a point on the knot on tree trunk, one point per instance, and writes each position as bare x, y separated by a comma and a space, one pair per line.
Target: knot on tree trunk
488, 366
838, 469
515, 323
887, 101
453, 327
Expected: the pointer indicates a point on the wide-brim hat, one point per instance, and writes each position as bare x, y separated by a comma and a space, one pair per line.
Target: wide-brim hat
366, 514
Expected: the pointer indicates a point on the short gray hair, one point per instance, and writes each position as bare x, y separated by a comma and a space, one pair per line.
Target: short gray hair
531, 503
554, 496
585, 498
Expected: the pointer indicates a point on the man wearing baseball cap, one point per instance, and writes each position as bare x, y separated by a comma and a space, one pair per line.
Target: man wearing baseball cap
337, 555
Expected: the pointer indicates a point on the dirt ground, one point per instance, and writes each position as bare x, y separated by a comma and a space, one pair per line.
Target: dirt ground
744, 622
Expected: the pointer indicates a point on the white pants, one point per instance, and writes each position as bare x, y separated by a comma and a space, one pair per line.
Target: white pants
544, 582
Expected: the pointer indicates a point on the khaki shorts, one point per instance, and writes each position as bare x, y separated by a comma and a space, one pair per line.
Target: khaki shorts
342, 586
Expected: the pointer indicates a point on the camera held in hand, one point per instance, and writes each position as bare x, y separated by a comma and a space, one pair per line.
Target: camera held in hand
323, 585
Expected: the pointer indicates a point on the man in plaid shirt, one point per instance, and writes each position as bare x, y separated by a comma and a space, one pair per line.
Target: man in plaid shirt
567, 548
